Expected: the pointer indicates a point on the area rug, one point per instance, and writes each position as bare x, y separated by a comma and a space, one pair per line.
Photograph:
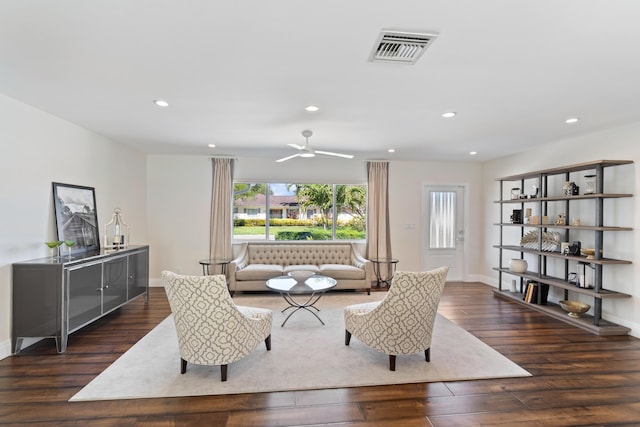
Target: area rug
304, 355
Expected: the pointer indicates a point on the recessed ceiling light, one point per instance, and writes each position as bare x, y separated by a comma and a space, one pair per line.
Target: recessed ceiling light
212, 145
449, 114
161, 103
572, 120
473, 153
311, 108
391, 150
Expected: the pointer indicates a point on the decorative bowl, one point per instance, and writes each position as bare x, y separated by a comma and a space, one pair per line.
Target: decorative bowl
518, 265
589, 252
574, 308
301, 274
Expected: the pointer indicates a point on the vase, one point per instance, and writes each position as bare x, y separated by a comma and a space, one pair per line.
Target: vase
518, 265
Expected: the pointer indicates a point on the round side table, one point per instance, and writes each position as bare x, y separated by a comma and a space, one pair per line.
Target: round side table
391, 270
206, 263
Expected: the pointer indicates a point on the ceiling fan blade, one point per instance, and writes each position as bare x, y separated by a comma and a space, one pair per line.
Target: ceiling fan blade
328, 153
296, 146
288, 157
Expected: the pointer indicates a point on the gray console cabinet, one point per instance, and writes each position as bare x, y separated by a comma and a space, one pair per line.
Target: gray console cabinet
55, 297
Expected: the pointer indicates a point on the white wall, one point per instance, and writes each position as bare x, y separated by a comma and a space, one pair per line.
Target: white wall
37, 149
614, 144
406, 181
179, 196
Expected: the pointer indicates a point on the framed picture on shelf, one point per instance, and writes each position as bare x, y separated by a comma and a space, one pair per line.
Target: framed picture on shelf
76, 216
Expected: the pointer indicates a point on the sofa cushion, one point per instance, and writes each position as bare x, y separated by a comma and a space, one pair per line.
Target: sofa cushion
342, 271
259, 272
302, 267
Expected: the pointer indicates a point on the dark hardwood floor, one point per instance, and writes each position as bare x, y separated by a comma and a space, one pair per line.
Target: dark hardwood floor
578, 379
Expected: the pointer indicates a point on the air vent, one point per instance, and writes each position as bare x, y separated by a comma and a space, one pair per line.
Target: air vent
399, 46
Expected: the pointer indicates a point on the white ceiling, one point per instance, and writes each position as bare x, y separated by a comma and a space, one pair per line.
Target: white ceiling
238, 73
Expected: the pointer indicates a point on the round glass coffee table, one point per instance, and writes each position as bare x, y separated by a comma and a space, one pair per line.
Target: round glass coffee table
311, 289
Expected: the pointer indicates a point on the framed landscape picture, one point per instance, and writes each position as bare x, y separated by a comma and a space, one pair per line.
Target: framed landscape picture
76, 216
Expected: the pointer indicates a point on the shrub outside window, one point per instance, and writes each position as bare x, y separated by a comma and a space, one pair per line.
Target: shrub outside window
291, 211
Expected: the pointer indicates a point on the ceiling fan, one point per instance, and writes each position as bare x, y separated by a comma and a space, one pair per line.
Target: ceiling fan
306, 151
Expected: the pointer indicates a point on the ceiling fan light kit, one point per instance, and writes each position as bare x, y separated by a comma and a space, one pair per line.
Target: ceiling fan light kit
306, 151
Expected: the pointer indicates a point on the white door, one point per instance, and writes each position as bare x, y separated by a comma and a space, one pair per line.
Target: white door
443, 225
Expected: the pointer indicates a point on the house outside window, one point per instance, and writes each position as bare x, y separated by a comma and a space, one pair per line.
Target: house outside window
299, 211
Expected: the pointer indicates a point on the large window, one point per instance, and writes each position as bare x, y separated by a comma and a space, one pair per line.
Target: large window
290, 211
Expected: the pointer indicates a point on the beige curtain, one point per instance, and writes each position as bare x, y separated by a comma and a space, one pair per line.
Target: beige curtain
378, 235
221, 211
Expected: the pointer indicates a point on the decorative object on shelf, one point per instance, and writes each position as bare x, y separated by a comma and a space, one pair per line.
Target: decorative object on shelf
589, 252
560, 219
534, 192
550, 240
76, 215
516, 216
564, 248
570, 188
116, 232
574, 248
53, 244
515, 193
575, 222
585, 274
518, 265
589, 184
574, 308
534, 220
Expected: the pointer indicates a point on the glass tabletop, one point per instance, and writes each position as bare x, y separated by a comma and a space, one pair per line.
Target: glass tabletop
288, 284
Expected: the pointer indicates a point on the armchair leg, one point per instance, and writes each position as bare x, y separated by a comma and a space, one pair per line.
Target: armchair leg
267, 342
427, 354
347, 337
183, 366
223, 372
392, 362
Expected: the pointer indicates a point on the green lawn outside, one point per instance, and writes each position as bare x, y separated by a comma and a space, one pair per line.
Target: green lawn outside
347, 232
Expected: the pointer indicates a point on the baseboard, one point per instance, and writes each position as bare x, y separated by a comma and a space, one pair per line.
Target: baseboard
5, 349
156, 283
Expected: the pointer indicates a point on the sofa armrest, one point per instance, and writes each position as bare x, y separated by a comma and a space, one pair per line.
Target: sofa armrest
361, 262
238, 263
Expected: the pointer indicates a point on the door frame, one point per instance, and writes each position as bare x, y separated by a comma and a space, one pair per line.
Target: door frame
424, 203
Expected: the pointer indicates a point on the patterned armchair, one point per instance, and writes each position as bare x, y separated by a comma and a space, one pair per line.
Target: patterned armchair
211, 329
402, 323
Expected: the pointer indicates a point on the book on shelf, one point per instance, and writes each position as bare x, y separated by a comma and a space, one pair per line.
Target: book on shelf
536, 293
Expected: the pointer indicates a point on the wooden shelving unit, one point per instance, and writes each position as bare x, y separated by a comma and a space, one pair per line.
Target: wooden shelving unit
599, 293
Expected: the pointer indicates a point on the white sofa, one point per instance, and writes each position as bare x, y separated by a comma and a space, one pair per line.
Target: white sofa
258, 262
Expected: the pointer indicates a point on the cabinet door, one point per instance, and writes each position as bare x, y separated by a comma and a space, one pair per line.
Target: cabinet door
138, 273
84, 285
114, 283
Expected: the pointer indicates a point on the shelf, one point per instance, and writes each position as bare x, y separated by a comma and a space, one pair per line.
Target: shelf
559, 283
565, 227
601, 261
564, 198
543, 262
566, 169
585, 322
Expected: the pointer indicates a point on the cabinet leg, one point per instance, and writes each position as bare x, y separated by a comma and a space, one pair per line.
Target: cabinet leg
61, 343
